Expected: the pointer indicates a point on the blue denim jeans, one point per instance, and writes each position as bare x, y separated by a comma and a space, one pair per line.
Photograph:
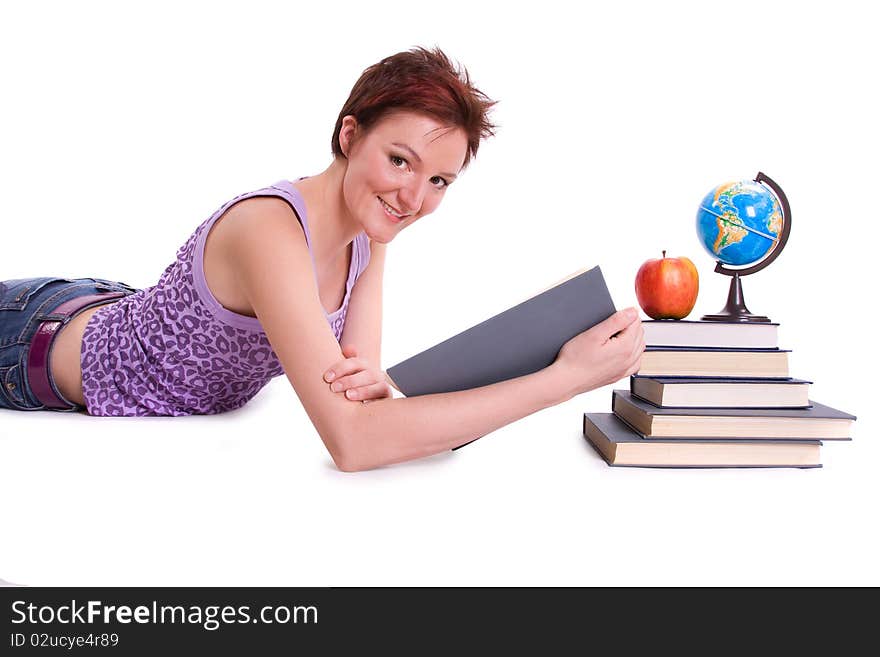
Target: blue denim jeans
24, 304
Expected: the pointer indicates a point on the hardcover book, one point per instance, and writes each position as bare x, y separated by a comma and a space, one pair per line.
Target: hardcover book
619, 445
716, 362
519, 341
690, 333
819, 422
714, 392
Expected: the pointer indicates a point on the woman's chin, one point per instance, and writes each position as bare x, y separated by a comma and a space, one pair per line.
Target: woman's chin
380, 236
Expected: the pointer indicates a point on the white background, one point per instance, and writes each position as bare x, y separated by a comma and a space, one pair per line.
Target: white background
122, 129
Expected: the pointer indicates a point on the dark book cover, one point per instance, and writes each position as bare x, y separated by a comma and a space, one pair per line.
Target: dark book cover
719, 379
617, 431
521, 340
818, 411
701, 380
815, 411
756, 350
708, 323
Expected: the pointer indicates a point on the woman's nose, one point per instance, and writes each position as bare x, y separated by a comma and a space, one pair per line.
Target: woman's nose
412, 195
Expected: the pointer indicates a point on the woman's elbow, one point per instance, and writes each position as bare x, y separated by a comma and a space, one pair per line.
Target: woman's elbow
345, 463
348, 445
345, 456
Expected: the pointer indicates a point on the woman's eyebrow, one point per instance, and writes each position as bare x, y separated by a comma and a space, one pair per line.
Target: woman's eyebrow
417, 158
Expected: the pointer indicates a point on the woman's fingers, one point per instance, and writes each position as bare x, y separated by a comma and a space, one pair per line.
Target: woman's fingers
630, 329
350, 363
344, 368
616, 323
355, 380
636, 333
636, 355
373, 391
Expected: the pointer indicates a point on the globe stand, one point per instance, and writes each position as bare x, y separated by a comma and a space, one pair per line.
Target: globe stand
735, 310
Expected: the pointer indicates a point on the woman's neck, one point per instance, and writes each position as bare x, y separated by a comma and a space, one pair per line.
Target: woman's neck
331, 226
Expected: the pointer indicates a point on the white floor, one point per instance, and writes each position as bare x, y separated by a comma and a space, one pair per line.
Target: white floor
252, 498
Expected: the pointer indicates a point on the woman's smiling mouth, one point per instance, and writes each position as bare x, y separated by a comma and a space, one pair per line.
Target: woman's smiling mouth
393, 214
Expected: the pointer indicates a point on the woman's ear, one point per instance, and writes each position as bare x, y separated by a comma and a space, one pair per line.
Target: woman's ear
348, 133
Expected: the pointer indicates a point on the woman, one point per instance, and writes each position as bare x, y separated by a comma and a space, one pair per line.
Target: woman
252, 293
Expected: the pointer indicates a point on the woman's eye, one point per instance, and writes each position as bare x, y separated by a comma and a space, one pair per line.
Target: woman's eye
400, 163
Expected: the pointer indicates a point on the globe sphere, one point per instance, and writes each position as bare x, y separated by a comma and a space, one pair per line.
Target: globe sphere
739, 222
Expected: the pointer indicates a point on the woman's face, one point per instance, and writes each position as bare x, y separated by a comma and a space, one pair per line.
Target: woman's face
398, 170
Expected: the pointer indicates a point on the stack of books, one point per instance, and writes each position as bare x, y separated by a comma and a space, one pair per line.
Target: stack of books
714, 394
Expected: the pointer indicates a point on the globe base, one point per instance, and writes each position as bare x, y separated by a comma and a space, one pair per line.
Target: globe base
735, 310
739, 317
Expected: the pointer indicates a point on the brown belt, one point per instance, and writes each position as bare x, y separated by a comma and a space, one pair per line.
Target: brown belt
41, 383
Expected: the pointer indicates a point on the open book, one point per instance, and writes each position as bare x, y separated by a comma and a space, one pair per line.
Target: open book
518, 341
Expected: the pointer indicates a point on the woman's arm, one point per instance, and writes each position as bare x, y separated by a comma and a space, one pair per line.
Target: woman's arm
363, 320
392, 430
271, 258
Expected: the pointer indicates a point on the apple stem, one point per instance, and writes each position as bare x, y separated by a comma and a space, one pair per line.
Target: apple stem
664, 253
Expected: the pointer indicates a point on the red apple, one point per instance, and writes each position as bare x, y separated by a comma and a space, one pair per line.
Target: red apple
667, 288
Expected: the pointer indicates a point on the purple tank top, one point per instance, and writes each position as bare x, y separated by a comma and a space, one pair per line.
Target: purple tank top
173, 349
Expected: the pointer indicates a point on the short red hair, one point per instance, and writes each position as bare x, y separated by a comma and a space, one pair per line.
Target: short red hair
423, 81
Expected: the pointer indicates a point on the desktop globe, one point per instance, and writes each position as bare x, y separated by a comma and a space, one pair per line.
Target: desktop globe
739, 222
744, 225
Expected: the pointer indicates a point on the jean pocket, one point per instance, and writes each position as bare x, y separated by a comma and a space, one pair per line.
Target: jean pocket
17, 293
12, 388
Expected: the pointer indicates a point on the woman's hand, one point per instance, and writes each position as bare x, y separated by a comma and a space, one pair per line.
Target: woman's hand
606, 353
356, 379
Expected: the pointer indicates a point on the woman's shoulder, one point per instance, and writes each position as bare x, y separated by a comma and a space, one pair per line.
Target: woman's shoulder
281, 197
261, 225
259, 205
258, 213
